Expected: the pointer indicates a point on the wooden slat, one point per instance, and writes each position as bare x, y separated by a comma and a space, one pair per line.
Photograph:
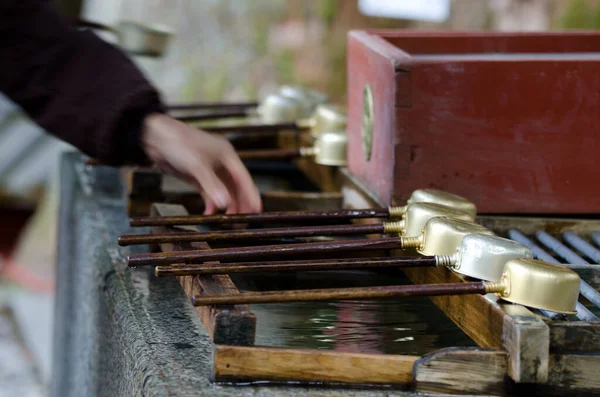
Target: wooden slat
527, 342
467, 371
233, 326
572, 373
234, 363
574, 337
472, 371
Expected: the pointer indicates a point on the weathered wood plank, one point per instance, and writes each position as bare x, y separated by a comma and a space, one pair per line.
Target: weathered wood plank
575, 373
574, 337
471, 371
234, 325
235, 363
527, 342
483, 372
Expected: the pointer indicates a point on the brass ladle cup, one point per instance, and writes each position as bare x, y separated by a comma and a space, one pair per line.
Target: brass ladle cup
418, 196
524, 281
288, 105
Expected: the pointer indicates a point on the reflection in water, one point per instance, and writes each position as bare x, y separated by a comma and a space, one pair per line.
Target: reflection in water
401, 326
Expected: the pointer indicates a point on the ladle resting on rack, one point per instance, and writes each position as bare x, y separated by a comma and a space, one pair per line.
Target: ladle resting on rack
326, 118
418, 196
328, 128
440, 236
479, 256
528, 282
415, 218
329, 149
290, 104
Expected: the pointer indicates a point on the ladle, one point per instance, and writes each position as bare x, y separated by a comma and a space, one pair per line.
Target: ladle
479, 256
329, 149
414, 220
418, 196
282, 114
275, 108
527, 282
440, 236
289, 105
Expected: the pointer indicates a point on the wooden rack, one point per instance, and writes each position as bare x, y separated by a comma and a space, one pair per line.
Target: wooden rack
519, 351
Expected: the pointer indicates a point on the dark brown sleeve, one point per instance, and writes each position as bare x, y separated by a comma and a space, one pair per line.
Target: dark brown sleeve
72, 83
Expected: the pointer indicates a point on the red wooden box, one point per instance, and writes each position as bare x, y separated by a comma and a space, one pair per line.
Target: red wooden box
508, 120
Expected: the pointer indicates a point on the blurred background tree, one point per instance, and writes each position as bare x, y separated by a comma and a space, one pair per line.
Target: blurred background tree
240, 49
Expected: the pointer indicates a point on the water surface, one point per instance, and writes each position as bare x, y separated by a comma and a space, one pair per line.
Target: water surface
411, 325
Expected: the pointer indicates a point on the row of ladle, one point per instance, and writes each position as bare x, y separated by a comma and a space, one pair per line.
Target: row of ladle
292, 108
440, 226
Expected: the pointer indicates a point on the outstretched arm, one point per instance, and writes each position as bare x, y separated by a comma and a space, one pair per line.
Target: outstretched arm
72, 83
90, 94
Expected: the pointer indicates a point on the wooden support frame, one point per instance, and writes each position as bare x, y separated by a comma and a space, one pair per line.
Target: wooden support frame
234, 325
454, 370
527, 338
520, 352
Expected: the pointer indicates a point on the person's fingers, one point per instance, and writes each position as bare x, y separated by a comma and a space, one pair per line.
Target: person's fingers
209, 207
247, 196
214, 189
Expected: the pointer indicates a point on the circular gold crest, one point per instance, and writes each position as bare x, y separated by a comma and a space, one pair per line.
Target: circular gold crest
367, 122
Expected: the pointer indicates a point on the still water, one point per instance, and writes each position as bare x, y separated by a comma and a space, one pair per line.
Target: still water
411, 326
